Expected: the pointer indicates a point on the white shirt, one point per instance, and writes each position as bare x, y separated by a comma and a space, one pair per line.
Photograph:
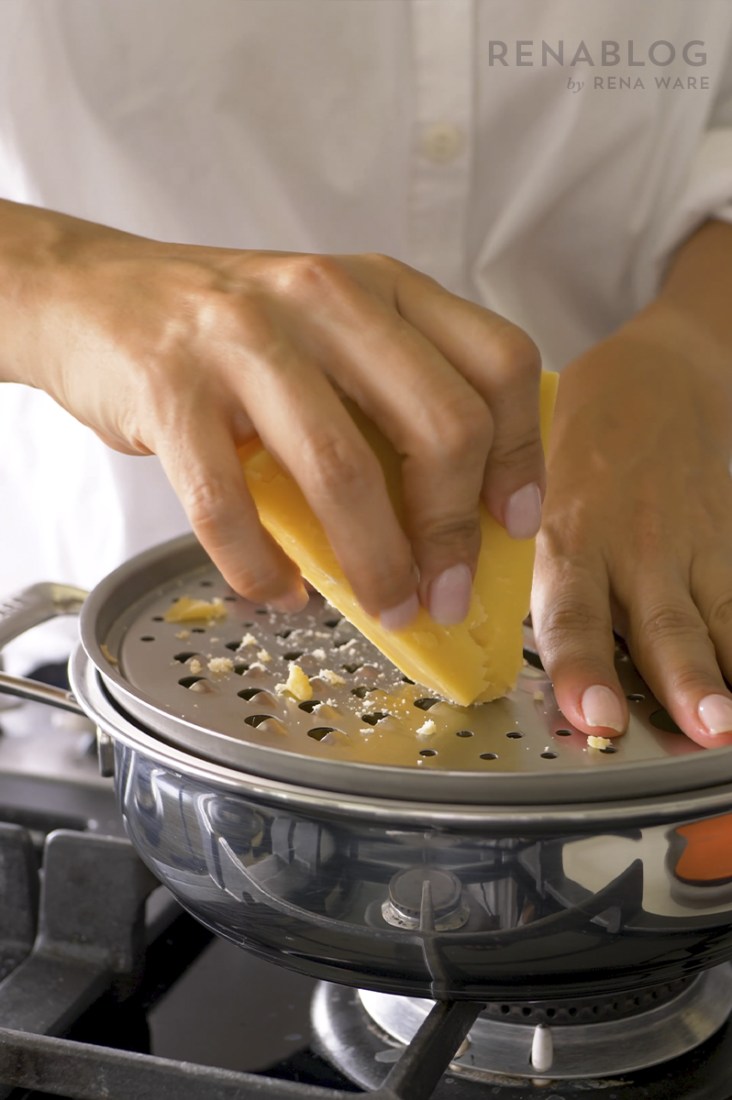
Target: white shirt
444, 132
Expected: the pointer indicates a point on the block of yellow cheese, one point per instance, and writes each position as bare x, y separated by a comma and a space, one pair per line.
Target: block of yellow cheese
477, 660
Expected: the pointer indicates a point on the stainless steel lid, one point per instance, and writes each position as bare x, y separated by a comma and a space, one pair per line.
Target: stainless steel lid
214, 687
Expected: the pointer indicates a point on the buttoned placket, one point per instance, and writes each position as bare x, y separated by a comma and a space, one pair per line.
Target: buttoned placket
443, 66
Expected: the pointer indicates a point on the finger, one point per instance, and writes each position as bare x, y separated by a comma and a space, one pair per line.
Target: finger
570, 612
674, 653
503, 365
305, 426
432, 416
711, 590
202, 464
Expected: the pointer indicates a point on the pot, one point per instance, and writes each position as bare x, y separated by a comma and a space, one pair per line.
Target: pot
504, 860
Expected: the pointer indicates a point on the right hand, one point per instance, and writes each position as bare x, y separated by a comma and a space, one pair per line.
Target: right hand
187, 352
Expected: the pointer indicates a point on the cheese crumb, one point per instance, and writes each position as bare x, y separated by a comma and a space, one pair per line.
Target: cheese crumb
221, 664
331, 677
598, 742
538, 696
112, 660
187, 609
427, 728
195, 666
318, 654
248, 639
297, 684
183, 635
264, 656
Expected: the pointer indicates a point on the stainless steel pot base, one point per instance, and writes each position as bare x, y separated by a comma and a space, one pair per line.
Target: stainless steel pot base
525, 1044
216, 688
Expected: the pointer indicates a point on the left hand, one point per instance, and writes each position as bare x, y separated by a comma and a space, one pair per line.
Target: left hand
637, 532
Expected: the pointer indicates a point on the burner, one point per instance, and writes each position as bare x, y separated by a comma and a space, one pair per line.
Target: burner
533, 1043
425, 895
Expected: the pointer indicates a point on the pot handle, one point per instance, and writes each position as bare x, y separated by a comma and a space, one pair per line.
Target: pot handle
35, 605
22, 611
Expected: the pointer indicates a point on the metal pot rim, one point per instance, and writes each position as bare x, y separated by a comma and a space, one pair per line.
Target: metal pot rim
89, 690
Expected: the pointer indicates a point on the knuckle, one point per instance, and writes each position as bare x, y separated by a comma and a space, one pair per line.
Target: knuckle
464, 432
310, 277
720, 614
517, 355
206, 502
666, 620
567, 618
525, 452
336, 467
447, 532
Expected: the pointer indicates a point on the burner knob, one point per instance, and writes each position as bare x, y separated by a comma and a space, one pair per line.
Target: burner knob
406, 893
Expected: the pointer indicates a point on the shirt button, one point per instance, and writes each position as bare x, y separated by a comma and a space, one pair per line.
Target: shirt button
442, 142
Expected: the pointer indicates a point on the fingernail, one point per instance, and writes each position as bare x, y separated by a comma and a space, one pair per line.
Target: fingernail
396, 618
715, 712
295, 600
449, 598
523, 512
601, 707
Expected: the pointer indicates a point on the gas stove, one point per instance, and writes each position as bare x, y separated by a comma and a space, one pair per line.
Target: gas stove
108, 989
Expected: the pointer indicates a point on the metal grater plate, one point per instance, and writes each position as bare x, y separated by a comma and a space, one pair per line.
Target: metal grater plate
366, 729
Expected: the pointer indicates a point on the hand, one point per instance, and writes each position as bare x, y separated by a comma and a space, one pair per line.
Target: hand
187, 352
637, 532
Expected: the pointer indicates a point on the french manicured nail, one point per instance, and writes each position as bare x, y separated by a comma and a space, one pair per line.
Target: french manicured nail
601, 707
523, 512
715, 712
449, 598
295, 600
396, 618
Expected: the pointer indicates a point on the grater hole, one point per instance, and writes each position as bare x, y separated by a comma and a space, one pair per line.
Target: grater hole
374, 717
361, 692
241, 669
283, 633
464, 733
257, 719
309, 705
293, 654
158, 619
526, 1011
249, 693
489, 756
425, 704
319, 732
609, 750
245, 625
635, 697
206, 584
198, 630
147, 638
233, 646
353, 666
183, 657
331, 623
662, 720
514, 734
406, 680
230, 599
549, 755
189, 681
562, 733
505, 1009
261, 611
428, 752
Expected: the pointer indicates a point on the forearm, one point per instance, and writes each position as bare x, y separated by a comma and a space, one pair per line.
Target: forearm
37, 252
691, 315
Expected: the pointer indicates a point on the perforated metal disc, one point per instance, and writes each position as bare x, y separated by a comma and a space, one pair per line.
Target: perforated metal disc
366, 729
